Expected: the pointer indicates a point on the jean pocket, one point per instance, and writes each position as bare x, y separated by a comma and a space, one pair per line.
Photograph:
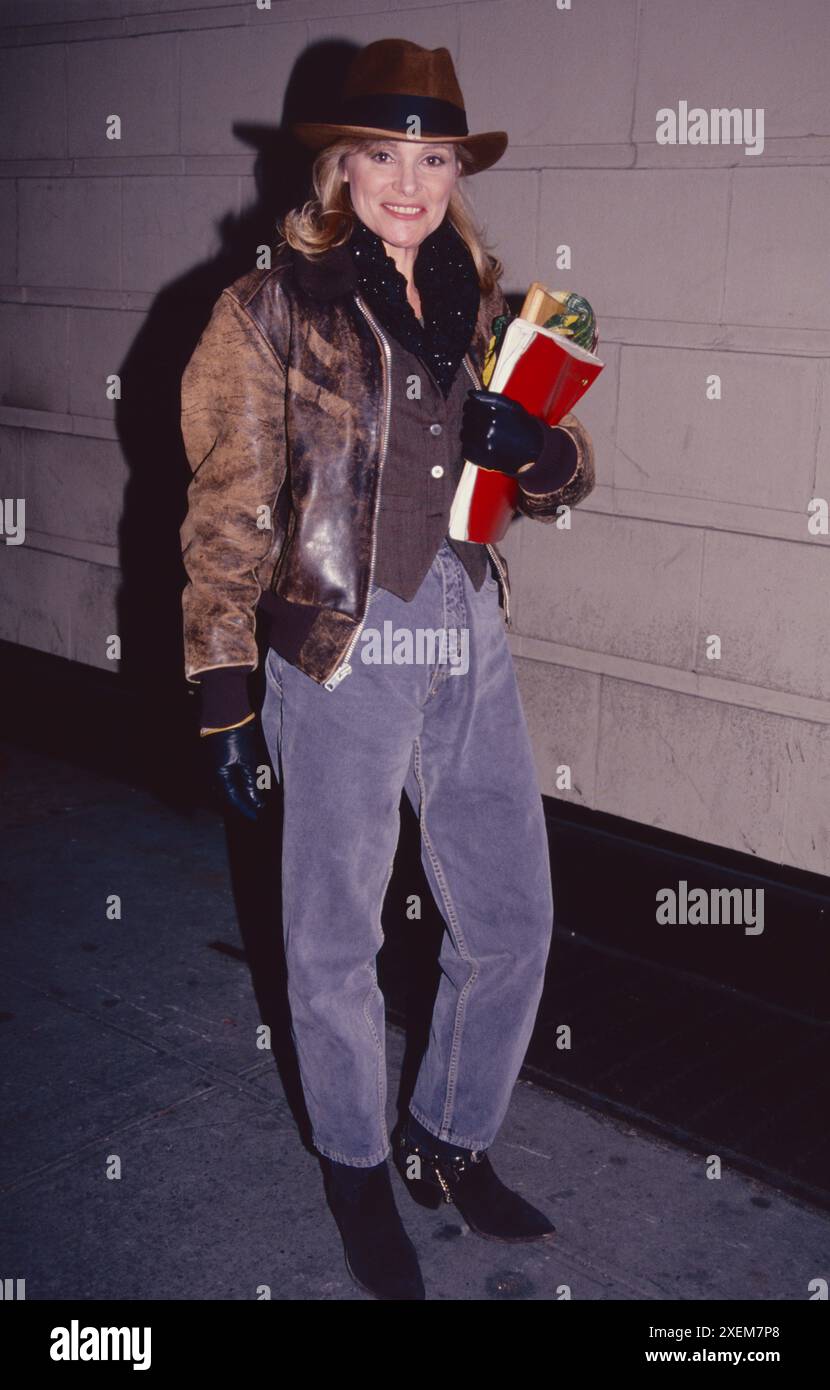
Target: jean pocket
273, 668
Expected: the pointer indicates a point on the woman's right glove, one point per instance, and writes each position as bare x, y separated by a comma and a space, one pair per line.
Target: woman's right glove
234, 758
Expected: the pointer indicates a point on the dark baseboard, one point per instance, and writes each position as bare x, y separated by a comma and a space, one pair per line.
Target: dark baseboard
607, 873
606, 870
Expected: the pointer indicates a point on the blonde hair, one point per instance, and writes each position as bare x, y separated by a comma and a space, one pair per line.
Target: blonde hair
326, 219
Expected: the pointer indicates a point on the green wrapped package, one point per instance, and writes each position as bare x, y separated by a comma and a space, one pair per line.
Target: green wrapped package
575, 320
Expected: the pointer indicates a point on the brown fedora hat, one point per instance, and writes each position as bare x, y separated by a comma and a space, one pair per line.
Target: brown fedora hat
389, 83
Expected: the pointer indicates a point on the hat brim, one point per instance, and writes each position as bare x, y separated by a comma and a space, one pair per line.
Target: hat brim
485, 148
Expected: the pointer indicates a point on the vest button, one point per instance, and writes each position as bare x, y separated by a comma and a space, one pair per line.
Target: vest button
435, 429
437, 471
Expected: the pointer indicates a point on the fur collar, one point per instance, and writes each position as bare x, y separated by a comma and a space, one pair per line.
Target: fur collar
327, 276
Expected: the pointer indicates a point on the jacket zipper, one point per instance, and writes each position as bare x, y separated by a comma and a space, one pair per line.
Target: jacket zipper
343, 668
496, 559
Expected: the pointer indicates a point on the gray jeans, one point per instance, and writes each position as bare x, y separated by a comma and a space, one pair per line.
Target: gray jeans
449, 729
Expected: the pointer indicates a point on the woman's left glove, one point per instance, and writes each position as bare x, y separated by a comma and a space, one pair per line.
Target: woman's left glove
497, 432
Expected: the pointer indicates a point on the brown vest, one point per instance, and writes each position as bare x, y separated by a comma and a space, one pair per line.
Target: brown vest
415, 504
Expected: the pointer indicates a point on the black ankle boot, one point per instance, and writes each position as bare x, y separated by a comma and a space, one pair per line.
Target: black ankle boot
435, 1172
380, 1257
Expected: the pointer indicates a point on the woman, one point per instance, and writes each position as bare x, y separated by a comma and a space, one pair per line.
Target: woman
326, 413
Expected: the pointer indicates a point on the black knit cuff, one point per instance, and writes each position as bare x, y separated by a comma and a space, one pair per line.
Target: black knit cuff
224, 696
555, 465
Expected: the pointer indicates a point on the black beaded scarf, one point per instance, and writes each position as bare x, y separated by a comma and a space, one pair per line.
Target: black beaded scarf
447, 281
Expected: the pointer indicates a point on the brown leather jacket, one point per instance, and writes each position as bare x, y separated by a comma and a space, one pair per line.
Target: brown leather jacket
285, 421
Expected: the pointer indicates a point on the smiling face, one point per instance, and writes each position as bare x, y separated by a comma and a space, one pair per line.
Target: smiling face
401, 188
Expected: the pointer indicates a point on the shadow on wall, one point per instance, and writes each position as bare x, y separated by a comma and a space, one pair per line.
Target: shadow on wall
148, 424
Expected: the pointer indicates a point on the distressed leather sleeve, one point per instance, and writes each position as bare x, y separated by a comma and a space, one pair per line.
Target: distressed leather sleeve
543, 506
233, 427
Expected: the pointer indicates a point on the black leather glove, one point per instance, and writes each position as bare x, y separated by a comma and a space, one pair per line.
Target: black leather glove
233, 757
497, 432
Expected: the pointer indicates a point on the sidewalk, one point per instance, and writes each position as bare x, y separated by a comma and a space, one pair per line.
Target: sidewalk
134, 1042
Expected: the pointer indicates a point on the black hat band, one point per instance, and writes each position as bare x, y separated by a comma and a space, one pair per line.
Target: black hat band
394, 111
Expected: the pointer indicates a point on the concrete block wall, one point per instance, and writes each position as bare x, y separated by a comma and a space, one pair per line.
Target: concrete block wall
701, 260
